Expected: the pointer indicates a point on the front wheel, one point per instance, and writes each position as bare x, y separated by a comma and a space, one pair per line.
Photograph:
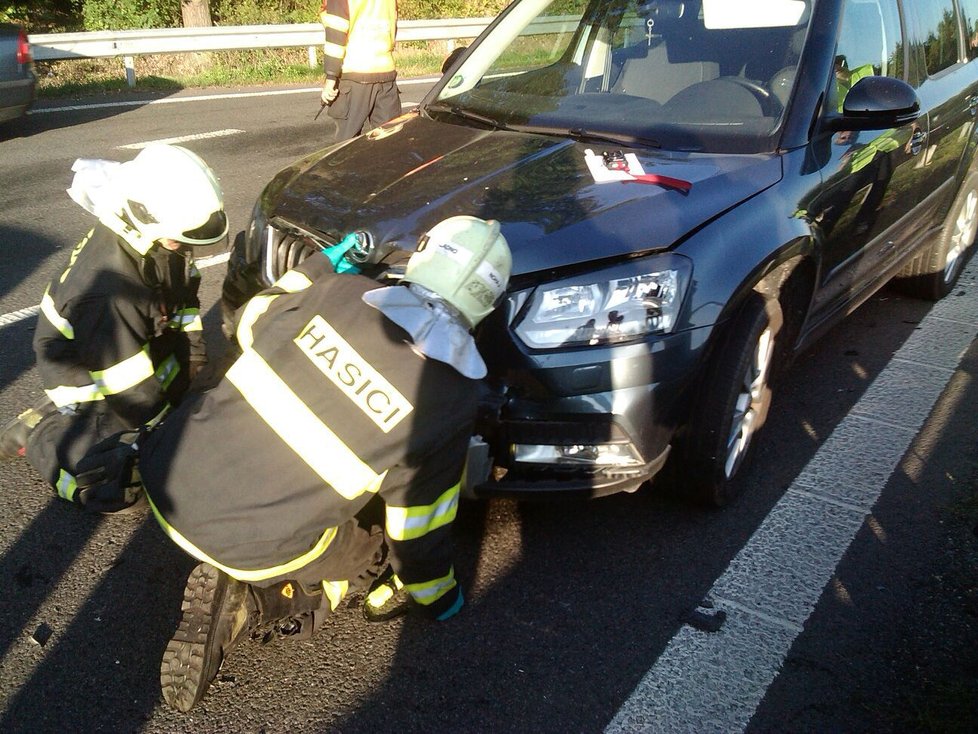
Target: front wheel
732, 406
932, 274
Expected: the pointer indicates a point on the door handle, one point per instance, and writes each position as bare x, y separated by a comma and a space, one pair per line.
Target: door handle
917, 141
973, 104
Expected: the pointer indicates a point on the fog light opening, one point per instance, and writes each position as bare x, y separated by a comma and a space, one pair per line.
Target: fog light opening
602, 454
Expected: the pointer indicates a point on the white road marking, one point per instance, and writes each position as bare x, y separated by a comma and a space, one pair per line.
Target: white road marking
15, 316
25, 313
713, 682
182, 139
209, 97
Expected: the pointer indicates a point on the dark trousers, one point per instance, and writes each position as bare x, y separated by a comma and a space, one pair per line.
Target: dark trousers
355, 556
359, 107
354, 553
61, 440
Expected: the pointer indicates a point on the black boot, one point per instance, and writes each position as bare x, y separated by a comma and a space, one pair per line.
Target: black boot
386, 599
14, 434
218, 612
289, 611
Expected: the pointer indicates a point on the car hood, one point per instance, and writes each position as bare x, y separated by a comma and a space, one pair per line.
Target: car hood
401, 179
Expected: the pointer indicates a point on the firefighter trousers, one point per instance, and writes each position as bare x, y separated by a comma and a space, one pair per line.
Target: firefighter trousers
353, 560
62, 439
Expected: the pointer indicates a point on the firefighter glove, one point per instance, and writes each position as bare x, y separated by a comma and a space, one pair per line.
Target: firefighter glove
108, 477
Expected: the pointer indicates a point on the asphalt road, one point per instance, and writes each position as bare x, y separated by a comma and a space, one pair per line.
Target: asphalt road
576, 615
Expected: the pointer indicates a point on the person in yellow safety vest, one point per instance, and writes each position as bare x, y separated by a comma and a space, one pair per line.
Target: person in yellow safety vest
119, 334
361, 81
344, 391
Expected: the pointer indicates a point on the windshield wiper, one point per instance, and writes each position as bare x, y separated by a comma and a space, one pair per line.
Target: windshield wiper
468, 115
584, 135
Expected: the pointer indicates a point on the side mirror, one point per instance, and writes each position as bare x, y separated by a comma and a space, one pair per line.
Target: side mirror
877, 103
452, 58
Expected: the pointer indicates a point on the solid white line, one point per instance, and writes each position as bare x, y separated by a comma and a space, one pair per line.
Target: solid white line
15, 316
25, 313
713, 682
182, 139
209, 97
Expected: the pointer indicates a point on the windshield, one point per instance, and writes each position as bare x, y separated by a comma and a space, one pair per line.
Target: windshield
705, 75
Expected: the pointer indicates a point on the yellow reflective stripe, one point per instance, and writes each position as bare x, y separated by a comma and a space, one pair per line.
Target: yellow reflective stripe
407, 523
66, 486
57, 320
335, 22
251, 313
251, 575
133, 237
335, 591
70, 395
300, 428
167, 371
124, 375
151, 423
383, 593
334, 50
290, 282
431, 591
293, 281
188, 319
74, 255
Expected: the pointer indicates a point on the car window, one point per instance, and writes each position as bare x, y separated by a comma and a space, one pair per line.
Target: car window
685, 75
937, 28
869, 45
969, 20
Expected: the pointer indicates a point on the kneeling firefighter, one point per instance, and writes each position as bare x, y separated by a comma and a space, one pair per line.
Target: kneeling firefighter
119, 335
344, 391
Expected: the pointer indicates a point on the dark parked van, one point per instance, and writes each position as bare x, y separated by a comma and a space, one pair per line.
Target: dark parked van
693, 191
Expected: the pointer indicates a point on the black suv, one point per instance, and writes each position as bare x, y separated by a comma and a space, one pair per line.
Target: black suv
693, 191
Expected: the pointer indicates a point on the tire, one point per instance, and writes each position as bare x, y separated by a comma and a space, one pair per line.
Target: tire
733, 405
241, 282
931, 275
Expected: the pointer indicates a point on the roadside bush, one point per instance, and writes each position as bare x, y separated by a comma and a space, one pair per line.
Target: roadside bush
119, 15
264, 12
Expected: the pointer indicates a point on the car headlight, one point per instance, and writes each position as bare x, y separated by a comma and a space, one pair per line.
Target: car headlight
627, 302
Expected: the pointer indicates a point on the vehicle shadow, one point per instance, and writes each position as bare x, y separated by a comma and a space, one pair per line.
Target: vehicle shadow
567, 633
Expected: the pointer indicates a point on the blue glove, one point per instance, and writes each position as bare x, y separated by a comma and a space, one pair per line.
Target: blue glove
337, 255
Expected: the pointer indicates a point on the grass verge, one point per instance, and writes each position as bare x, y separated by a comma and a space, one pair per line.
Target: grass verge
172, 72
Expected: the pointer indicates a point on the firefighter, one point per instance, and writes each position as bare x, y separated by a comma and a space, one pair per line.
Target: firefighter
344, 391
361, 80
119, 333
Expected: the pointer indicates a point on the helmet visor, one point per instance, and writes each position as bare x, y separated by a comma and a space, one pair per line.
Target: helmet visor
210, 232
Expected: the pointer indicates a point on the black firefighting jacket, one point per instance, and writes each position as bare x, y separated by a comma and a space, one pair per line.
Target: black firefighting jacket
359, 43
121, 327
327, 406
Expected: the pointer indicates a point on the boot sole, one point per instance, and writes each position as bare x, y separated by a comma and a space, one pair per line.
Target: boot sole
190, 661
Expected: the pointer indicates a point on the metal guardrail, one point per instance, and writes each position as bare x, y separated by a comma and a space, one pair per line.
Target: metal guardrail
129, 44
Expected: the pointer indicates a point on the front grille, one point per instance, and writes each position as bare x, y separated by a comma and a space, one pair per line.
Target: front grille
286, 247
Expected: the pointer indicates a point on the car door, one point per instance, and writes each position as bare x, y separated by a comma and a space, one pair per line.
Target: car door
862, 213
946, 86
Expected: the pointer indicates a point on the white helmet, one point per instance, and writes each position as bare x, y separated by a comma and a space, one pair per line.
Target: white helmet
168, 192
465, 261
